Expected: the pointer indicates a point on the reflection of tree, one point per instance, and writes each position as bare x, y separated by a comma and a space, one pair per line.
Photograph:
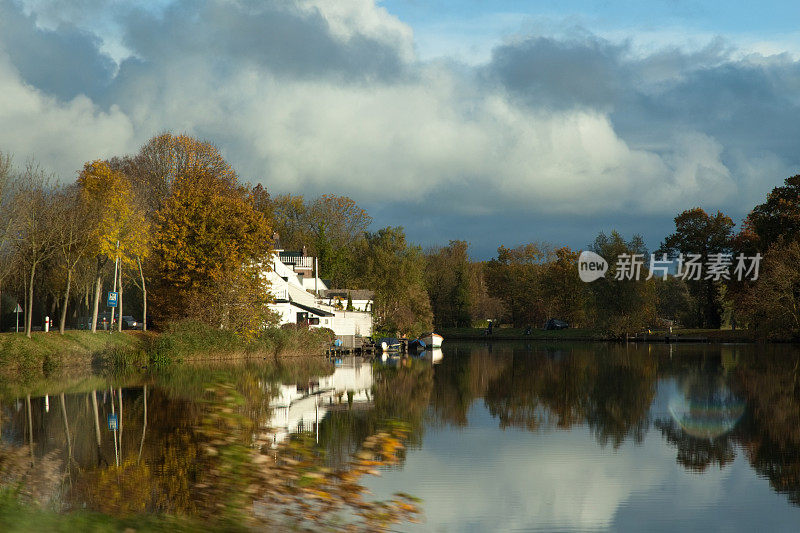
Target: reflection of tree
610, 391
622, 389
400, 393
463, 376
697, 454
771, 383
514, 397
704, 410
199, 454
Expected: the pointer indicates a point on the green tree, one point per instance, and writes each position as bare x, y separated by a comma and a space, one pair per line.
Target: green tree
483, 306
329, 227
675, 302
772, 304
778, 216
621, 306
697, 232
515, 276
395, 271
337, 224
447, 279
566, 295
289, 218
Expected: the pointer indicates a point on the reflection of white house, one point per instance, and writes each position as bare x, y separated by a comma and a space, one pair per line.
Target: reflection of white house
294, 285
297, 408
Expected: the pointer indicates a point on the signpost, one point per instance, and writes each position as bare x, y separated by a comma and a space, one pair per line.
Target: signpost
112, 422
17, 311
113, 306
112, 299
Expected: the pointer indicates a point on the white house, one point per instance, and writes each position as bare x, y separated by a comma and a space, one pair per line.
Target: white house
294, 286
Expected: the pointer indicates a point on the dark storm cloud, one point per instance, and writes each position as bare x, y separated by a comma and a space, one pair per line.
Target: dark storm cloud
745, 105
277, 36
749, 104
554, 139
64, 62
544, 71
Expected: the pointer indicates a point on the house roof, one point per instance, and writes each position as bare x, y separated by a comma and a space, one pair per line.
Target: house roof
291, 253
355, 294
311, 309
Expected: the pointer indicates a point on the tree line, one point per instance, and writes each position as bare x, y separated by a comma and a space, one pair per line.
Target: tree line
529, 284
180, 236
175, 229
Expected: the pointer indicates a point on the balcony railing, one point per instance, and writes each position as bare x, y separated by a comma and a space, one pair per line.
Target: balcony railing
297, 261
280, 294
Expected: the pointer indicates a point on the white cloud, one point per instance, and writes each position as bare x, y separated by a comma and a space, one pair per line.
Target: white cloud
61, 135
328, 96
364, 17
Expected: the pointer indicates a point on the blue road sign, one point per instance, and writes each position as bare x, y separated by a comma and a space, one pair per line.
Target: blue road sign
112, 299
112, 422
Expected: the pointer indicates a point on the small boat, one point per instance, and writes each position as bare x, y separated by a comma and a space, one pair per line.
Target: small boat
389, 344
416, 346
432, 340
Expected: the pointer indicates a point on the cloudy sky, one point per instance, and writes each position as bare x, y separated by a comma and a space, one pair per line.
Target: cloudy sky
491, 121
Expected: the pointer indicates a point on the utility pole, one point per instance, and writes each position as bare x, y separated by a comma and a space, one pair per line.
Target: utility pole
116, 263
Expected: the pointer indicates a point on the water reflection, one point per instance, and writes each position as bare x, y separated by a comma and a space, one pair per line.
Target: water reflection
561, 432
191, 444
705, 407
297, 408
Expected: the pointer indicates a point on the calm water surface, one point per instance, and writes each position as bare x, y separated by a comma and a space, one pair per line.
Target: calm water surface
501, 437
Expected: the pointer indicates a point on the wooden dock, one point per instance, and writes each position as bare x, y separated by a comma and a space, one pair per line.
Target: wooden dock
364, 347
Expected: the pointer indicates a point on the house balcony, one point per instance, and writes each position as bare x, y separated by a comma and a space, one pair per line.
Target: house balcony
303, 262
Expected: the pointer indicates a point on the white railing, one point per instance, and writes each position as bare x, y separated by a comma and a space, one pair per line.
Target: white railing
298, 261
280, 294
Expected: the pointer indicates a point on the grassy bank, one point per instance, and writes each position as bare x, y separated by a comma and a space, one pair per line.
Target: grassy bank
46, 353
579, 334
81, 352
193, 341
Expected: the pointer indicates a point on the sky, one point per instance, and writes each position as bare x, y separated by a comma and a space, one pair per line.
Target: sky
495, 122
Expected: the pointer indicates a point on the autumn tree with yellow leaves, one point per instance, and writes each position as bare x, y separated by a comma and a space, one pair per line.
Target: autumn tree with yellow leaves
209, 248
118, 229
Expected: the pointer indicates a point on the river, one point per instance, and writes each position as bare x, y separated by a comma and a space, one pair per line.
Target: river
506, 436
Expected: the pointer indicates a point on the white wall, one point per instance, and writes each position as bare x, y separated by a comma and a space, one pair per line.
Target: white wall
344, 323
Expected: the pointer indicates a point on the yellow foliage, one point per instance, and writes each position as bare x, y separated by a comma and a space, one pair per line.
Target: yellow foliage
208, 243
111, 214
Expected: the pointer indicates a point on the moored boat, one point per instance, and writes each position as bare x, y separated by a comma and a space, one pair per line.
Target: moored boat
432, 340
389, 344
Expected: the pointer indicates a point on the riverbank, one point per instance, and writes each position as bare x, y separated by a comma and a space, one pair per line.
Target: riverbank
591, 335
82, 352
